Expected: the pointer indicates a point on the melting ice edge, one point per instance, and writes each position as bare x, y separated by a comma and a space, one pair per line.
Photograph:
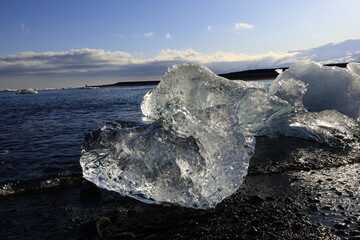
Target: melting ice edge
196, 152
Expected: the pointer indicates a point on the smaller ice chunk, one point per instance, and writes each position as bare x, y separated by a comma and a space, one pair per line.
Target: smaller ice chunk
327, 87
196, 159
27, 91
329, 127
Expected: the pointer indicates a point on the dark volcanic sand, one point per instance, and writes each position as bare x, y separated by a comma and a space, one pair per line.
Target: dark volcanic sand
295, 189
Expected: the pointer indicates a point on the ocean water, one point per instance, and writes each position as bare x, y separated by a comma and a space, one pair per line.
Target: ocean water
41, 134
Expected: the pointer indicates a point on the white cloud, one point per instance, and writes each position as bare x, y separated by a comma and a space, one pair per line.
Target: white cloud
209, 28
239, 26
168, 36
149, 34
24, 28
119, 35
218, 58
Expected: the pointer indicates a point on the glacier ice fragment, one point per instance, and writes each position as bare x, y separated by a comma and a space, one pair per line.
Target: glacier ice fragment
194, 159
329, 127
195, 86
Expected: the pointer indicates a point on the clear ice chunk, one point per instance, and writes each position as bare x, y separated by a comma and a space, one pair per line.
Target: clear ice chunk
195, 86
195, 159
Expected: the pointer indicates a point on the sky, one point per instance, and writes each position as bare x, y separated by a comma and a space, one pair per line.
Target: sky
46, 43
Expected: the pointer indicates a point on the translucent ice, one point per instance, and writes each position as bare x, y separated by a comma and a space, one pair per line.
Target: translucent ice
290, 90
327, 87
195, 86
328, 126
195, 159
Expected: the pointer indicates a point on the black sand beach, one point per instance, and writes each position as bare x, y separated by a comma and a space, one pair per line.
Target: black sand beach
293, 191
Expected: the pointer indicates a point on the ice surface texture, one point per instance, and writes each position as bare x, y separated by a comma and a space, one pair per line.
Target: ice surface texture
195, 159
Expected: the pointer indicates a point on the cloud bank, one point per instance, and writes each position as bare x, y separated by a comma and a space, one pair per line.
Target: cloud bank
96, 66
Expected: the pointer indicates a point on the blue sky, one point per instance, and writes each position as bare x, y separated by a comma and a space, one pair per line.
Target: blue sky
226, 30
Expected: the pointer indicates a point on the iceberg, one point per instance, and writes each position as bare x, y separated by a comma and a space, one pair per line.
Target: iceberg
327, 87
194, 159
27, 91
